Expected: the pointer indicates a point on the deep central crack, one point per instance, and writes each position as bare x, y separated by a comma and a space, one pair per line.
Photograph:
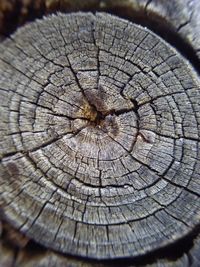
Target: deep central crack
94, 109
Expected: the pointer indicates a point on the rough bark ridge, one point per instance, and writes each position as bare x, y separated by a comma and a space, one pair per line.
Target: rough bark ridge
99, 137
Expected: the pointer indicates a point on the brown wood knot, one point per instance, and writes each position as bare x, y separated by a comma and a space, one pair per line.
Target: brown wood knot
100, 123
94, 110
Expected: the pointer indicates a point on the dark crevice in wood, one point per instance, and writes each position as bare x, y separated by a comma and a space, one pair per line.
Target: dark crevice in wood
162, 28
34, 250
170, 252
149, 19
7, 155
180, 186
16, 252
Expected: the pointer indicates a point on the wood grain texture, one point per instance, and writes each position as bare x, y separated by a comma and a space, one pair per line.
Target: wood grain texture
171, 19
99, 137
33, 255
183, 16
177, 21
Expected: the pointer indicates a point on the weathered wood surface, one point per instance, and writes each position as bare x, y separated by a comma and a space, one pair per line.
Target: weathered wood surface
99, 137
183, 16
179, 16
13, 253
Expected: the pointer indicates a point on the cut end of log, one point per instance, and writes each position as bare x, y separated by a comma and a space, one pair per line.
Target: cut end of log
99, 140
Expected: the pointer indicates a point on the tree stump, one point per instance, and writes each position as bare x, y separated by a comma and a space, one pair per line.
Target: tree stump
99, 140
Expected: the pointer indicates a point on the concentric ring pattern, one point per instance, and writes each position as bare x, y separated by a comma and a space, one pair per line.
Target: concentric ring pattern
99, 140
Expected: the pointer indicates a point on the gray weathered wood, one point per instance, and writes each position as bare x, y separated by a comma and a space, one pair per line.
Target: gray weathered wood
33, 255
183, 16
179, 16
99, 138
